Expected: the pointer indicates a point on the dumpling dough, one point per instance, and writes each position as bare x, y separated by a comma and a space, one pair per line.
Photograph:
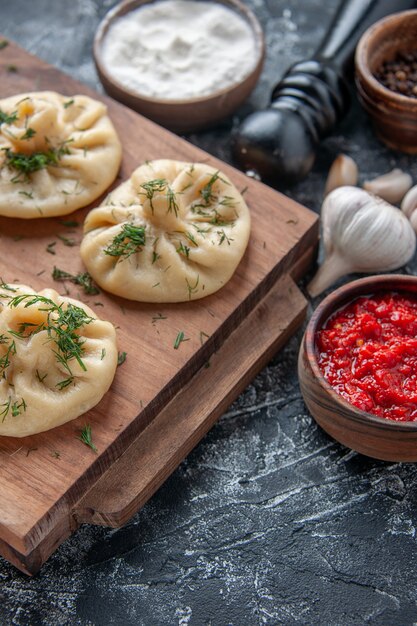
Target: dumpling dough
76, 140
41, 386
192, 228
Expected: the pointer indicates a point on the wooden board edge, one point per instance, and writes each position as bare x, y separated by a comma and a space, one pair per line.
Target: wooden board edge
144, 466
96, 509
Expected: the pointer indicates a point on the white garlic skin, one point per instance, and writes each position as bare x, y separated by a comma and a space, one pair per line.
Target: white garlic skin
343, 171
409, 203
361, 233
391, 187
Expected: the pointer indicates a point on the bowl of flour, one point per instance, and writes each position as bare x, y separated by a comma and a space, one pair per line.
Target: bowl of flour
185, 64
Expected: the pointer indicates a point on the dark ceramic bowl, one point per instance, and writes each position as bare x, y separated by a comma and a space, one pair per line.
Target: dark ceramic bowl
394, 115
181, 115
374, 436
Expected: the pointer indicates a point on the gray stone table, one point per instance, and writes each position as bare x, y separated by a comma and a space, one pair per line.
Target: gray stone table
268, 521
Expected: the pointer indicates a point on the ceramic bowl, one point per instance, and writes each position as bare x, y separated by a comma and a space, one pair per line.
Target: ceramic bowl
394, 115
373, 436
181, 115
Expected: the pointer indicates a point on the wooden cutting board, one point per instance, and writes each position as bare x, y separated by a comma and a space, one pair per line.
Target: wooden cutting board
163, 400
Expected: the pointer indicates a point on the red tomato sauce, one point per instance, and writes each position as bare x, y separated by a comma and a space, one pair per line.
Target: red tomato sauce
367, 351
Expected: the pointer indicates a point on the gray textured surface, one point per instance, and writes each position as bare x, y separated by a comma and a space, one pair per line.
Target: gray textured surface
268, 521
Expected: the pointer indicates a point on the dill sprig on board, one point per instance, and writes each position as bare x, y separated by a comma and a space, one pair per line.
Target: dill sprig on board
86, 436
130, 240
83, 279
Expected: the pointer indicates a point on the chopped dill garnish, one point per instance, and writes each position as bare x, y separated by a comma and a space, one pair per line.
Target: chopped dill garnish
180, 339
56, 454
69, 223
3, 44
158, 185
155, 256
30, 450
7, 119
86, 437
5, 286
228, 201
39, 377
83, 279
223, 237
27, 194
121, 358
192, 288
5, 359
152, 187
68, 103
29, 133
184, 250
26, 164
103, 353
207, 191
67, 241
158, 317
62, 327
50, 247
16, 408
191, 238
12, 68
130, 240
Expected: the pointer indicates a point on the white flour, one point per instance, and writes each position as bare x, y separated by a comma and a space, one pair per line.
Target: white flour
179, 49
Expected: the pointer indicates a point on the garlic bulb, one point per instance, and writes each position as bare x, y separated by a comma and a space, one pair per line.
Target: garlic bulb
361, 233
343, 171
391, 187
409, 206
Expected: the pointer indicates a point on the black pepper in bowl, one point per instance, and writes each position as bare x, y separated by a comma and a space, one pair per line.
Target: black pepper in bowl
400, 74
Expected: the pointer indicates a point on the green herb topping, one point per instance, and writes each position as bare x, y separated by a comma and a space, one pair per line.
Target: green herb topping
29, 133
158, 185
130, 240
62, 326
16, 408
26, 164
7, 119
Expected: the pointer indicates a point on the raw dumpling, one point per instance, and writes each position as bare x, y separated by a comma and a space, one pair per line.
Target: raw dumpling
173, 232
57, 359
57, 154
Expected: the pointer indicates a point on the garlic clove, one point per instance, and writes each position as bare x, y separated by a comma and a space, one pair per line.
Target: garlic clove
391, 187
334, 267
409, 203
343, 171
361, 233
413, 220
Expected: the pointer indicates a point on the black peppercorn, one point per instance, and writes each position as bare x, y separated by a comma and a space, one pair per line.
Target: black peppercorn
400, 74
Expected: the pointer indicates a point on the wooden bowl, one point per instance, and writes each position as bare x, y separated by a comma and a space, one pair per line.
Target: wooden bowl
394, 115
192, 113
373, 436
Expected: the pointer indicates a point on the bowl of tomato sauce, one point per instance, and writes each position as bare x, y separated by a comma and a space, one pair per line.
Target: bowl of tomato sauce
357, 366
